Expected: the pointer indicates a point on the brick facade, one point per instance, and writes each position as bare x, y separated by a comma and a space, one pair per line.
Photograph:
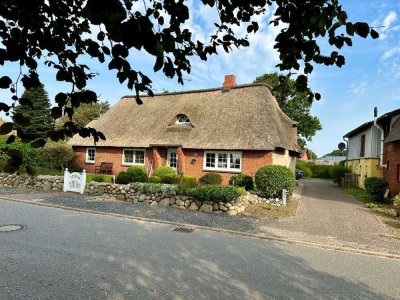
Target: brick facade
190, 161
392, 158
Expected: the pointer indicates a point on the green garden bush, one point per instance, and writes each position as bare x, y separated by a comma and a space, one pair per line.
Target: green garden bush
271, 180
170, 179
99, 178
154, 179
138, 173
124, 178
186, 184
376, 187
396, 205
216, 193
211, 178
29, 154
305, 168
321, 171
163, 171
337, 172
56, 155
244, 181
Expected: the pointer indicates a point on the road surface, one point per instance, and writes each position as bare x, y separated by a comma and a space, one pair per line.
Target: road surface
64, 254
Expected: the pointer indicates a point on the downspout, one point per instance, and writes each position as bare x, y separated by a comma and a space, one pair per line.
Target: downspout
382, 138
347, 148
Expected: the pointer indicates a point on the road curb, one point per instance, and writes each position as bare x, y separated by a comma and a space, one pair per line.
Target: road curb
214, 229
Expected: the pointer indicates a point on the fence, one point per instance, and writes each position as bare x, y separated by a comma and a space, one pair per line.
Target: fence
74, 182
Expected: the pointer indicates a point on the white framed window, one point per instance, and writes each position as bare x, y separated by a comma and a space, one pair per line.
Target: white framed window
172, 158
182, 119
90, 155
223, 161
133, 157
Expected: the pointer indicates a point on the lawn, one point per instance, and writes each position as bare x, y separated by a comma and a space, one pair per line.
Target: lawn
99, 178
383, 211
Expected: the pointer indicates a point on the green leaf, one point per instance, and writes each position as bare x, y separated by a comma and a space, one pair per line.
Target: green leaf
5, 82
159, 63
10, 139
38, 143
30, 170
6, 128
362, 29
26, 101
350, 29
374, 34
56, 112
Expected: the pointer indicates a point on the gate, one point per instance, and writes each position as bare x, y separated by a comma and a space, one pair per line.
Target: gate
74, 182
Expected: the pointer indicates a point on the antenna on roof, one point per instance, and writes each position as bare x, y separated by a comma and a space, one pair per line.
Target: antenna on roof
375, 112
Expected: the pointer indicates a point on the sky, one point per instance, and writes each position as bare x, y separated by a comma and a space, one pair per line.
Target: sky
371, 76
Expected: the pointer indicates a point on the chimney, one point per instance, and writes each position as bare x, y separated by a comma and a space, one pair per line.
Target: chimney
230, 82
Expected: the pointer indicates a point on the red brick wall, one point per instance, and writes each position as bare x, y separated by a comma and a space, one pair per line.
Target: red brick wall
251, 160
105, 154
391, 153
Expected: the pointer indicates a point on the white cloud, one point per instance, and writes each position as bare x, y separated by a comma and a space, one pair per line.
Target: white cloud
387, 25
391, 52
359, 88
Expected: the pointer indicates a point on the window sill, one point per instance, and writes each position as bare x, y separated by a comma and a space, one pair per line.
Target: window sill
129, 165
90, 162
223, 171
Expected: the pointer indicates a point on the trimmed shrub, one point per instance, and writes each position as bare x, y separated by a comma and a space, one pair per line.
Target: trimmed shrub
163, 171
376, 187
396, 204
244, 181
321, 171
271, 180
99, 178
211, 178
337, 172
216, 193
154, 179
165, 190
123, 178
138, 173
170, 179
186, 184
56, 155
305, 168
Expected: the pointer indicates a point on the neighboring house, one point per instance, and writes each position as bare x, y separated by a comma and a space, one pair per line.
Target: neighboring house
330, 160
363, 146
390, 123
228, 130
304, 155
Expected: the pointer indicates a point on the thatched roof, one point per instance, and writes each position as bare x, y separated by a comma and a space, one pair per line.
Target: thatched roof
245, 117
394, 134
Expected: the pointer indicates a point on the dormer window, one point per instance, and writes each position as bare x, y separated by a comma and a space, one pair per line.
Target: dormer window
182, 119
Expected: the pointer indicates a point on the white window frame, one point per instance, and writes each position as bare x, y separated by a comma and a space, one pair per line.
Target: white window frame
87, 155
228, 169
178, 119
172, 150
134, 157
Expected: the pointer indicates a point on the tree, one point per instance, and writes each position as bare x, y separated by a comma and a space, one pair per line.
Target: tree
337, 152
58, 33
34, 105
85, 113
312, 155
295, 104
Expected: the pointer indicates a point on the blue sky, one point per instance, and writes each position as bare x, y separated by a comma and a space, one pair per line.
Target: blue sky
371, 76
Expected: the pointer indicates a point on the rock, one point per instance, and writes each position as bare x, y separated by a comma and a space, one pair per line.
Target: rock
171, 201
231, 212
142, 197
46, 186
164, 202
241, 209
193, 206
179, 202
120, 197
147, 202
184, 197
153, 203
222, 207
215, 206
206, 208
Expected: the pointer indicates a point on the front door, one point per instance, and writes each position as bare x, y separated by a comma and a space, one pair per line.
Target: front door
172, 159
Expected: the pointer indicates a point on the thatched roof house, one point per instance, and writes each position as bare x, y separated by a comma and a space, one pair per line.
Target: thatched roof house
232, 118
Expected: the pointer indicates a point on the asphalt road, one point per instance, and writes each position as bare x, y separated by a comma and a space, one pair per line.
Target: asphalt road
65, 254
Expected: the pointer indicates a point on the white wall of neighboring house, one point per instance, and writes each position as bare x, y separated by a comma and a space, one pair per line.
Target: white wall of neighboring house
284, 159
372, 143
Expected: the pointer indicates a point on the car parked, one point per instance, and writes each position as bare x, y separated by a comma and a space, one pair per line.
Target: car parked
299, 174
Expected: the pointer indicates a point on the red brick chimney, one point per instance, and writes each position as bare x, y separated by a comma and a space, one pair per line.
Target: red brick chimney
230, 81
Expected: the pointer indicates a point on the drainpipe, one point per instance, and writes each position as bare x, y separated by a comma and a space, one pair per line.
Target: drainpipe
382, 138
347, 148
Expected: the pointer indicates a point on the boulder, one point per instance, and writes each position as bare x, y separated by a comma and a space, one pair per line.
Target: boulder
193, 206
206, 208
142, 197
231, 212
164, 202
120, 197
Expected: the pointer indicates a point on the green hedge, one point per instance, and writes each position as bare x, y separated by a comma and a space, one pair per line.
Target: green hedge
123, 178
272, 179
211, 178
337, 172
321, 171
99, 178
29, 154
376, 187
216, 193
241, 180
154, 179
305, 167
163, 171
138, 173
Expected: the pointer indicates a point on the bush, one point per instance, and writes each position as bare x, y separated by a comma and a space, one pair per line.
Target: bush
321, 171
337, 172
216, 193
99, 178
376, 187
29, 154
165, 190
271, 180
186, 184
244, 181
305, 168
170, 179
56, 155
163, 171
211, 178
138, 173
154, 179
123, 178
396, 204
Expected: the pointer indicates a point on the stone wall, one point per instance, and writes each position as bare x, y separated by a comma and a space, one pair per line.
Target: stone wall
151, 194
